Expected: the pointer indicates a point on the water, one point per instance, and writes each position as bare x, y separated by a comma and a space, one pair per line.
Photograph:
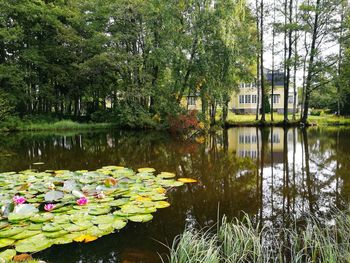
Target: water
270, 174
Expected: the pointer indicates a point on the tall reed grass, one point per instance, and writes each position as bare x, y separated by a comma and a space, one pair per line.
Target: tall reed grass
310, 240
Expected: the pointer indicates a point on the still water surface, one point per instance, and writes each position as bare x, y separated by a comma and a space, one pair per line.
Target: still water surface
270, 174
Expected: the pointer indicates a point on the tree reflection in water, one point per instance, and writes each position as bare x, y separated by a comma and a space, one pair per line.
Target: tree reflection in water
272, 174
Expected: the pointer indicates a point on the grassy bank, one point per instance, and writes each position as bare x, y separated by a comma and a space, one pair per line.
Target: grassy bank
240, 241
249, 120
59, 125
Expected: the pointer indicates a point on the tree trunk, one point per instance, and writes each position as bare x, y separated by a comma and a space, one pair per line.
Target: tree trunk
311, 64
262, 79
225, 111
212, 112
257, 64
273, 59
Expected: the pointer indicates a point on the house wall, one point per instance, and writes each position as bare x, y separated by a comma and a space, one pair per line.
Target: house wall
237, 106
197, 106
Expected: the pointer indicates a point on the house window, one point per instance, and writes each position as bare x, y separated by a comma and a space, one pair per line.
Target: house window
191, 101
241, 138
254, 139
247, 98
290, 99
241, 99
276, 138
253, 98
276, 98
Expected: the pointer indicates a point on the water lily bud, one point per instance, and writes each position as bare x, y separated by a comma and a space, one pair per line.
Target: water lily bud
49, 207
19, 199
101, 195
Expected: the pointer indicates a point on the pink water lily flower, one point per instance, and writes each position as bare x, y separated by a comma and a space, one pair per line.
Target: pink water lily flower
82, 201
19, 199
49, 207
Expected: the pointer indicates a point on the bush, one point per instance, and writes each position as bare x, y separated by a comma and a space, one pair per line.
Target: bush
316, 112
126, 116
185, 122
12, 123
6, 110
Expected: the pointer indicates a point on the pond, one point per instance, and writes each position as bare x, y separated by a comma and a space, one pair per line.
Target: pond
270, 174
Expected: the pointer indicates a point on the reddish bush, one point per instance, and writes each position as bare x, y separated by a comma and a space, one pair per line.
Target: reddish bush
184, 123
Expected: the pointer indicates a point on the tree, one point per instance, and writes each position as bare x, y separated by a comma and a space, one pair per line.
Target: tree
316, 16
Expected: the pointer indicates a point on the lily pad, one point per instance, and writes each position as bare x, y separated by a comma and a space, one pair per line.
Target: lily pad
8, 254
9, 232
25, 234
4, 242
166, 175
146, 170
33, 244
187, 180
53, 196
141, 218
62, 206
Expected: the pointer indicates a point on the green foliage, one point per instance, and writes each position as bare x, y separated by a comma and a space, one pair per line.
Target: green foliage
6, 110
244, 241
129, 60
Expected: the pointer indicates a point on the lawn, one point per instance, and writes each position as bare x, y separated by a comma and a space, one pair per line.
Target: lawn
249, 119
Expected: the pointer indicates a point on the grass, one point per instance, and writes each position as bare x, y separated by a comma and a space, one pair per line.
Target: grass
62, 125
249, 120
313, 240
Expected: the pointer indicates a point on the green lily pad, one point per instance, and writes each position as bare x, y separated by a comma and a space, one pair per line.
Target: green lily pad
146, 170
166, 175
51, 227
8, 254
119, 223
33, 244
119, 202
55, 234
99, 210
141, 218
40, 218
9, 232
4, 242
25, 234
104, 219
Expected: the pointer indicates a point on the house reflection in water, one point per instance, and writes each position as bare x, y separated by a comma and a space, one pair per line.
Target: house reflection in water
247, 142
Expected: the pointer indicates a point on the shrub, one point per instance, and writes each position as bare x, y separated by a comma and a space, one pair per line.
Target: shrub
184, 122
6, 110
316, 112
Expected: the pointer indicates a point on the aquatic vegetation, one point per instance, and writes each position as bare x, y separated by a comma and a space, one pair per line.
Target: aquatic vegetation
317, 240
41, 209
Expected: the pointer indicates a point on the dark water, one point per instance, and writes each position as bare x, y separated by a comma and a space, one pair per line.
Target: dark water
270, 174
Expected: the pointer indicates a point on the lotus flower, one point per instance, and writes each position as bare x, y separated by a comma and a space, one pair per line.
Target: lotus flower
49, 207
101, 195
19, 199
82, 201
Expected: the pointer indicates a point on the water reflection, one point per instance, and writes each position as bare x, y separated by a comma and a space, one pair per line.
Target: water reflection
271, 174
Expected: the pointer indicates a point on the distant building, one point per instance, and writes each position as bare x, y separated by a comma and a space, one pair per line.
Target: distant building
245, 100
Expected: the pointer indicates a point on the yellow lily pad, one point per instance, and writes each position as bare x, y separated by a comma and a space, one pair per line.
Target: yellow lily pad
187, 180
85, 238
146, 170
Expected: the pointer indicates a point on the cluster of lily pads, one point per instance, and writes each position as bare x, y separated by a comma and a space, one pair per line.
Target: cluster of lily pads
41, 209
